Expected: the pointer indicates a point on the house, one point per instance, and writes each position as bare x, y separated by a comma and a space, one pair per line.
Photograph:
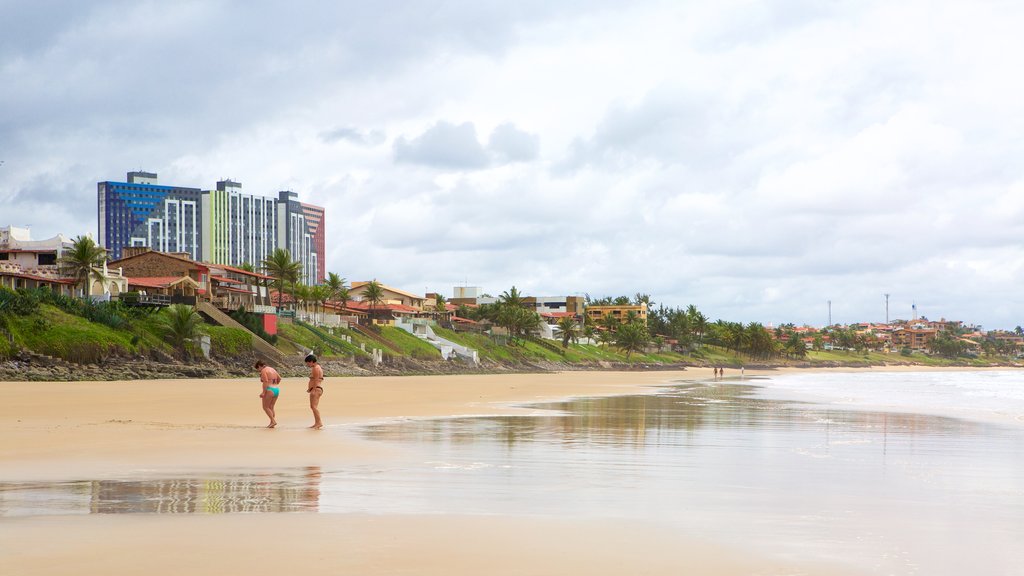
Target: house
226, 287
620, 313
233, 288
27, 263
161, 273
914, 336
391, 295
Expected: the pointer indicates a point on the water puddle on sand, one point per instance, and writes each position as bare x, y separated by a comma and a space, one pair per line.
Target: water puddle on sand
906, 493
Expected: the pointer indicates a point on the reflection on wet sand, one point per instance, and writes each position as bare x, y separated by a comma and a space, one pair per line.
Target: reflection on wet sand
286, 491
628, 420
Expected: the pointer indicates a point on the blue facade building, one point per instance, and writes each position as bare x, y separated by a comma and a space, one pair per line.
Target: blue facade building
141, 212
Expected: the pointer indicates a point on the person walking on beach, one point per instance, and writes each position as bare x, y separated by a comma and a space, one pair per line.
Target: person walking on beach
271, 382
315, 390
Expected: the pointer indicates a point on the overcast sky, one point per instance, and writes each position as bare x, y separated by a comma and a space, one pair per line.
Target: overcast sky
757, 159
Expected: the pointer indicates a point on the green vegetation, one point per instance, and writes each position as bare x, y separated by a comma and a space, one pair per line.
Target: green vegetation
81, 260
227, 342
283, 269
84, 331
181, 326
56, 333
409, 344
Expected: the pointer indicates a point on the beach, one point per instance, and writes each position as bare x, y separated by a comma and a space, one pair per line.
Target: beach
136, 477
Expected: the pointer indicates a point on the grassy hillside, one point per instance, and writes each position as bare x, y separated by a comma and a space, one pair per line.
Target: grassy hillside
85, 332
56, 333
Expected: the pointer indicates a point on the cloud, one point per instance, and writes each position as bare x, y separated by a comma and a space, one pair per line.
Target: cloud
511, 144
354, 136
449, 146
753, 158
443, 145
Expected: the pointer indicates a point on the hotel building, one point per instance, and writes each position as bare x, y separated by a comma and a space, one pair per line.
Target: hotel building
221, 226
301, 232
141, 212
238, 228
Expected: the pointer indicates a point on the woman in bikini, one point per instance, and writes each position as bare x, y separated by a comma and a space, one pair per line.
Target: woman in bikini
315, 390
271, 381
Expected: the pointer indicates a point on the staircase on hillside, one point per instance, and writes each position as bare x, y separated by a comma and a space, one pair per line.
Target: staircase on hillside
261, 346
377, 338
424, 332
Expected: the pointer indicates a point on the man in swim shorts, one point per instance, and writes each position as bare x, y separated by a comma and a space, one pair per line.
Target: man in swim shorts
271, 382
315, 390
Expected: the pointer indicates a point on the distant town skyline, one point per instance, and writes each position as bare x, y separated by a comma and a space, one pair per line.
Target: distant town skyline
757, 159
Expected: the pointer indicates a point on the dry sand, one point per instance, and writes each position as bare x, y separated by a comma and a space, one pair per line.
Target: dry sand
110, 430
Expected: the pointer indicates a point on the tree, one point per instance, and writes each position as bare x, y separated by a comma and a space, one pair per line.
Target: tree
632, 337
611, 323
181, 326
81, 260
280, 266
640, 298
511, 297
302, 295
570, 330
334, 284
374, 294
439, 302
320, 295
247, 267
510, 313
795, 346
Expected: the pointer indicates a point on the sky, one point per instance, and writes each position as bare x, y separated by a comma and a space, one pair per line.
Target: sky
757, 159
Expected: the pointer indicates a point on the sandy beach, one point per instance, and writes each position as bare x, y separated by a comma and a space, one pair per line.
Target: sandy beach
111, 430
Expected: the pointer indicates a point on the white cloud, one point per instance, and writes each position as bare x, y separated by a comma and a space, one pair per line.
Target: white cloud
756, 159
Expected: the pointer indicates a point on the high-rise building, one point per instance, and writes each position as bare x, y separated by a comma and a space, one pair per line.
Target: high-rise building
238, 228
301, 232
221, 226
141, 212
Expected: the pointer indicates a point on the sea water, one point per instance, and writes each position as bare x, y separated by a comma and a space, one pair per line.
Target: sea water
990, 395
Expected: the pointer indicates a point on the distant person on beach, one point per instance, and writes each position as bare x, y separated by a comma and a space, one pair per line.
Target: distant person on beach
315, 390
271, 382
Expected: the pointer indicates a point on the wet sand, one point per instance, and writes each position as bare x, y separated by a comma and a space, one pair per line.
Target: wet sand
68, 430
125, 430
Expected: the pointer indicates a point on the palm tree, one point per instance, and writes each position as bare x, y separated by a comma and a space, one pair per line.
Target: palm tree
334, 284
439, 302
632, 337
374, 294
247, 267
302, 294
570, 330
79, 262
511, 297
283, 269
320, 295
181, 326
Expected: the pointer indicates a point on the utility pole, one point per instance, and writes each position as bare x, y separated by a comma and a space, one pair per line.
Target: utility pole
887, 309
829, 312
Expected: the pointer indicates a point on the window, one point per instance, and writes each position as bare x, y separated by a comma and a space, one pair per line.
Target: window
47, 259
5, 256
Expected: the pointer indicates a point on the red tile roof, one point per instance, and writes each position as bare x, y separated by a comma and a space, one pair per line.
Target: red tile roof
224, 280
54, 280
241, 271
156, 281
